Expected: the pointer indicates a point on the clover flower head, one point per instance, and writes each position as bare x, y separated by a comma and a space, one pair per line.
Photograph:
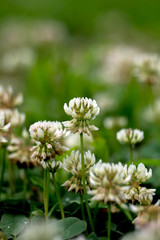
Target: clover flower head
13, 116
48, 136
46, 131
3, 128
118, 63
146, 215
17, 59
8, 99
147, 68
151, 231
146, 196
53, 166
108, 182
82, 110
41, 231
138, 175
105, 101
130, 136
72, 165
19, 151
115, 122
152, 112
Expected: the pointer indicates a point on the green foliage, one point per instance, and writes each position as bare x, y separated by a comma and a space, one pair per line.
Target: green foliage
72, 227
13, 224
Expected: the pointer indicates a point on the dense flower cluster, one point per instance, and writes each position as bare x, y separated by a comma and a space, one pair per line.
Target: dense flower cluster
115, 122
147, 214
3, 128
16, 59
19, 151
136, 192
8, 99
41, 231
147, 68
82, 110
13, 116
130, 136
8, 105
108, 182
118, 64
152, 112
72, 164
53, 165
151, 232
48, 136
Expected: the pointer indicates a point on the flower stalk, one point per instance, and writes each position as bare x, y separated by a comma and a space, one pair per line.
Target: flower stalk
58, 196
3, 162
82, 207
109, 221
46, 192
131, 153
11, 177
84, 185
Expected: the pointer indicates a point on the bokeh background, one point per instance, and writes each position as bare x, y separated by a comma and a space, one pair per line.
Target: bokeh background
53, 51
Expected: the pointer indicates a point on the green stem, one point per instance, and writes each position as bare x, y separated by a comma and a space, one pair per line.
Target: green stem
109, 221
82, 210
3, 154
95, 213
131, 153
82, 207
11, 180
126, 213
46, 192
25, 184
84, 184
58, 197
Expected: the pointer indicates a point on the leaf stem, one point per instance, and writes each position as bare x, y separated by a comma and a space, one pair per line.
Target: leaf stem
131, 153
11, 177
3, 166
46, 192
84, 183
25, 184
109, 221
58, 196
82, 207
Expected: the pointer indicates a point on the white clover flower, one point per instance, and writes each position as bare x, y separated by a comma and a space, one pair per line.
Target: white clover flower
13, 116
82, 110
8, 99
118, 63
146, 196
147, 68
72, 164
41, 231
16, 59
48, 136
19, 34
108, 182
19, 151
3, 128
105, 101
146, 215
115, 122
130, 136
152, 112
150, 232
53, 166
138, 175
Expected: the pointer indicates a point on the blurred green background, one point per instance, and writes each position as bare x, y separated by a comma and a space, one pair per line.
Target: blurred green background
53, 51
